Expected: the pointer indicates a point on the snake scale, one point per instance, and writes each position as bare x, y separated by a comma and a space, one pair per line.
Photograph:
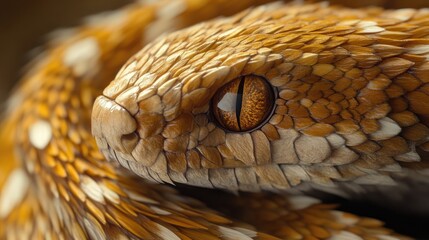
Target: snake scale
345, 106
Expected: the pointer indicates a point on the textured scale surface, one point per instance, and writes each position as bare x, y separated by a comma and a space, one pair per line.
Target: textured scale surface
351, 107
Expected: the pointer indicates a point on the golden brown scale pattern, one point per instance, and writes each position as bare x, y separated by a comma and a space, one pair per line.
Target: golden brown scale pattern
68, 189
352, 99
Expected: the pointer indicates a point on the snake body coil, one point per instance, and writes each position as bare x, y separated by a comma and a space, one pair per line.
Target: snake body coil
350, 112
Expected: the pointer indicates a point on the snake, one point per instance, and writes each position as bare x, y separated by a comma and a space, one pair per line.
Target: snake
265, 100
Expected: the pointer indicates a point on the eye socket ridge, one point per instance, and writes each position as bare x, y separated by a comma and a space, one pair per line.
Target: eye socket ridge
244, 104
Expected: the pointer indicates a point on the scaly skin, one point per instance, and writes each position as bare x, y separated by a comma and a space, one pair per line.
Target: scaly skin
55, 183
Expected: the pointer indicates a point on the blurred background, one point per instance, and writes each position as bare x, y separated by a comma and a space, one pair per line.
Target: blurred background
25, 24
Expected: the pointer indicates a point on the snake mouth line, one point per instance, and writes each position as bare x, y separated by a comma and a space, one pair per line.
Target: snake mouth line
215, 178
218, 178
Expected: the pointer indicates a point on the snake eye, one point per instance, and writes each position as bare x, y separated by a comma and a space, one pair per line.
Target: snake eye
243, 104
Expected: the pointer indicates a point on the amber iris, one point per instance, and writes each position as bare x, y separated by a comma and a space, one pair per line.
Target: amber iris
243, 104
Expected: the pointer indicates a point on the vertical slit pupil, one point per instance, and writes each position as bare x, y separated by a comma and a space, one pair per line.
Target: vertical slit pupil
239, 102
243, 104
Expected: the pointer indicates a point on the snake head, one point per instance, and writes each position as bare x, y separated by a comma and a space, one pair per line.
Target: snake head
271, 98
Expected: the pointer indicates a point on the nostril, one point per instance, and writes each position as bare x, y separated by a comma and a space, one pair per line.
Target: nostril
129, 141
114, 125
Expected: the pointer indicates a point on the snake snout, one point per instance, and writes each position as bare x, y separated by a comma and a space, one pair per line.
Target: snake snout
113, 126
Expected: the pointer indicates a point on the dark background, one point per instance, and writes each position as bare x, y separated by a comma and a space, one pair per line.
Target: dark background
24, 24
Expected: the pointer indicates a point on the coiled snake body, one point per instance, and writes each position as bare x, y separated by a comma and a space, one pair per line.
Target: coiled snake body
350, 109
